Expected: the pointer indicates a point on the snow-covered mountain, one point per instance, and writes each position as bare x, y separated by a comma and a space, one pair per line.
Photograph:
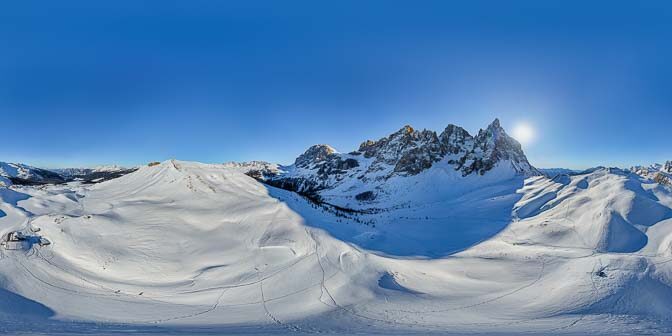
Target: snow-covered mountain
21, 173
553, 172
261, 170
660, 173
183, 245
416, 233
379, 171
79, 172
94, 175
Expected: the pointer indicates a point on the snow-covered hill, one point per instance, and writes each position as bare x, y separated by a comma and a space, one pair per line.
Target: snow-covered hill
184, 245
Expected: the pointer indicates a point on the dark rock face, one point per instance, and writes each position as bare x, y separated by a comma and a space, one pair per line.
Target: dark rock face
420, 154
667, 167
410, 151
325, 161
297, 184
314, 155
365, 196
456, 140
390, 148
335, 166
347, 164
491, 146
662, 178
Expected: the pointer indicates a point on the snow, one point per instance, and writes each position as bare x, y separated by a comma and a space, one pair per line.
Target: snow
15, 170
553, 172
184, 247
4, 182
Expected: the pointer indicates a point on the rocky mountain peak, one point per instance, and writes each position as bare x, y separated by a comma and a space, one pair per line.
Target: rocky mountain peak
314, 155
406, 152
495, 124
667, 167
493, 145
493, 133
454, 139
660, 173
454, 130
406, 130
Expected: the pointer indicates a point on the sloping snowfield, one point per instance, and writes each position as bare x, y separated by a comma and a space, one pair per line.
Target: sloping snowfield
194, 248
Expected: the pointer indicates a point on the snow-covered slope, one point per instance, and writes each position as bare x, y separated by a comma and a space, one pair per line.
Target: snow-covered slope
185, 245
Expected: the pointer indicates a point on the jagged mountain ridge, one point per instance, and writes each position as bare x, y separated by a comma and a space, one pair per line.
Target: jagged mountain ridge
404, 153
660, 173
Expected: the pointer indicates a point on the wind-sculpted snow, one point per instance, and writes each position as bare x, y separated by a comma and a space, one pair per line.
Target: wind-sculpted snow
608, 210
185, 246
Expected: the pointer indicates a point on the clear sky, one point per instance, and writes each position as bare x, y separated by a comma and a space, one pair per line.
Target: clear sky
127, 82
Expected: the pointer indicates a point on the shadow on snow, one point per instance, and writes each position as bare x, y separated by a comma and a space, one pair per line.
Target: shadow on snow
426, 230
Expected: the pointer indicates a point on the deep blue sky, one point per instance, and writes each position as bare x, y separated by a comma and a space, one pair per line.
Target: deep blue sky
127, 82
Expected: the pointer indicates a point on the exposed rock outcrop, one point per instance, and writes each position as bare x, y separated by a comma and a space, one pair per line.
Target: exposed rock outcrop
491, 146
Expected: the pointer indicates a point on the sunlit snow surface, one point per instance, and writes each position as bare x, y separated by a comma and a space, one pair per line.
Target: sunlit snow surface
192, 248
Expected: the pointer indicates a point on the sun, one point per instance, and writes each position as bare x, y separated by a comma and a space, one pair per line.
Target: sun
524, 133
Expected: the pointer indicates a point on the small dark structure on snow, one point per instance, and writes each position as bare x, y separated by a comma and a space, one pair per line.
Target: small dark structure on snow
15, 241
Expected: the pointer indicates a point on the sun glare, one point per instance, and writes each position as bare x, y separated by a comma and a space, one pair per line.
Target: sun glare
524, 133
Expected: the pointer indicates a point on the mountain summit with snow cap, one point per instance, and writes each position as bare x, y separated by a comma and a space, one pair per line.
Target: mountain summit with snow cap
421, 156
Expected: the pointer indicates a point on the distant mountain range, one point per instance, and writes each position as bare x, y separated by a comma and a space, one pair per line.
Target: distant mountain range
371, 174
21, 174
370, 171
661, 173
